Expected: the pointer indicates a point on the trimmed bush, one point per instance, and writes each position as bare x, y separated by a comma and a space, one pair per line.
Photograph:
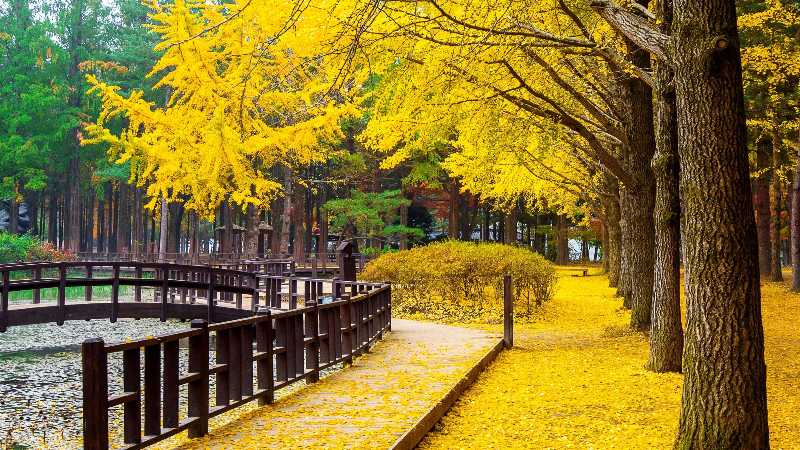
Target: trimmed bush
24, 248
457, 281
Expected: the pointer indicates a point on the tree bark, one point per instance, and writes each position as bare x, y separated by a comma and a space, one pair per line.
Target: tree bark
123, 219
762, 207
251, 236
666, 331
452, 222
775, 210
163, 230
639, 200
612, 253
724, 390
286, 222
795, 224
298, 220
562, 241
510, 226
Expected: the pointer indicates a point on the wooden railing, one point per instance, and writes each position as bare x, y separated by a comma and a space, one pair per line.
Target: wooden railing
290, 345
171, 284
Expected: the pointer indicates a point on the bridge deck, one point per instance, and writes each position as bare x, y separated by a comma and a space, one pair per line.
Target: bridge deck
368, 405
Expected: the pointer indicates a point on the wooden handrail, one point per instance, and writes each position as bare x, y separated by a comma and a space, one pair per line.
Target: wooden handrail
297, 343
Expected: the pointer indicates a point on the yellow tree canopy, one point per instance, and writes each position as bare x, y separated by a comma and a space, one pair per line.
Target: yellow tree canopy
248, 90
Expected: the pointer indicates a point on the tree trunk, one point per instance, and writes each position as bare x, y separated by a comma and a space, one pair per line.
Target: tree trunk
485, 225
286, 221
52, 217
639, 200
724, 390
666, 331
452, 221
795, 224
13, 212
298, 219
614, 243
123, 219
251, 236
775, 210
762, 206
510, 226
73, 229
562, 241
163, 230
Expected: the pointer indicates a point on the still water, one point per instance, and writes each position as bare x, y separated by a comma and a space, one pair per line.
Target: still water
40, 376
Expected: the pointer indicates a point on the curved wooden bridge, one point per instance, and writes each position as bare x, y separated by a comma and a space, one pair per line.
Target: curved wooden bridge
257, 314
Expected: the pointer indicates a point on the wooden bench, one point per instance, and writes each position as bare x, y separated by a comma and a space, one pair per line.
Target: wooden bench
584, 272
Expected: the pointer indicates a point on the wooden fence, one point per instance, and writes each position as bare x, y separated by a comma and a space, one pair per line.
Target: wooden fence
290, 345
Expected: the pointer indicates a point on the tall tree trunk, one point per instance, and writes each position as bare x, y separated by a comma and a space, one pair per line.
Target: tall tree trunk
762, 206
52, 217
123, 219
138, 221
724, 391
452, 216
251, 233
485, 225
613, 251
298, 220
637, 207
510, 226
795, 223
163, 230
562, 241
775, 209
286, 221
73, 226
666, 332
404, 222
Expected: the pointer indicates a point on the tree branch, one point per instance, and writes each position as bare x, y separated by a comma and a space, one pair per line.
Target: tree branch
634, 27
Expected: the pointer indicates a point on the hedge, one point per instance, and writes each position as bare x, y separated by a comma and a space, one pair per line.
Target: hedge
458, 281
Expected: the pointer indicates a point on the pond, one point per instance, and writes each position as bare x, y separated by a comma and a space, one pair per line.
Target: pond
40, 377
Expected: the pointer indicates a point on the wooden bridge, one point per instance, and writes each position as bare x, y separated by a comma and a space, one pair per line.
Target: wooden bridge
299, 326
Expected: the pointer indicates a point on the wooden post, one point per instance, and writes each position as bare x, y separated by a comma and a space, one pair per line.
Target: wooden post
508, 312
266, 381
95, 394
254, 295
4, 302
88, 289
212, 279
62, 293
137, 291
152, 389
115, 293
171, 386
37, 275
132, 409
312, 349
164, 292
198, 388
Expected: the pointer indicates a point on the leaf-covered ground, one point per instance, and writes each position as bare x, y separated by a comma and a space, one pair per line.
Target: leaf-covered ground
576, 380
368, 405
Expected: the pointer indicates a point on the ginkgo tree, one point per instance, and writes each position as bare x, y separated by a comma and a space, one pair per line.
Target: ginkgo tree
248, 91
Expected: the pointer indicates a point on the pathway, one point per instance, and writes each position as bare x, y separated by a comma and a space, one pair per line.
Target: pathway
368, 405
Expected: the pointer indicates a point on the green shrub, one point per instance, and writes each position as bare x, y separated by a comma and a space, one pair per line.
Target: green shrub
24, 247
463, 282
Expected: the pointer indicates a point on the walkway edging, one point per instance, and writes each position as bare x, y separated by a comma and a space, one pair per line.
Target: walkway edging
414, 436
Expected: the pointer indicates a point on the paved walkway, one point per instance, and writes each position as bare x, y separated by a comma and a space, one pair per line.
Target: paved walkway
368, 405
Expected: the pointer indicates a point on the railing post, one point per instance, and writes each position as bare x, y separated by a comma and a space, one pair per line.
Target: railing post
212, 279
264, 370
37, 275
87, 291
115, 292
4, 302
198, 388
62, 293
164, 293
508, 313
254, 294
312, 349
95, 394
